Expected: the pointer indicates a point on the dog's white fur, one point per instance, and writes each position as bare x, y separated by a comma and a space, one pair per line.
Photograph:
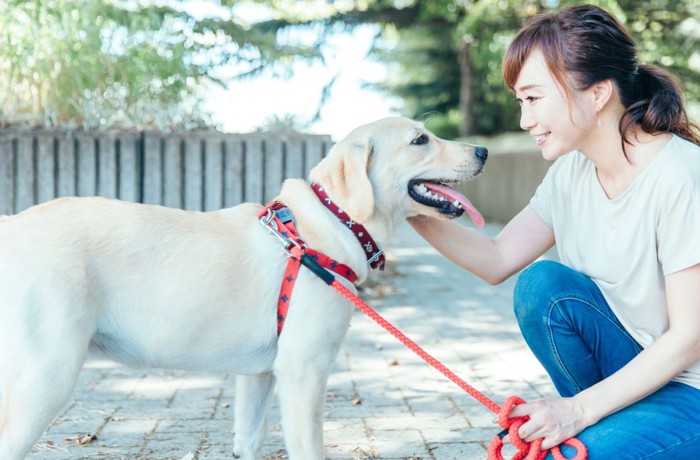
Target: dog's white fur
157, 287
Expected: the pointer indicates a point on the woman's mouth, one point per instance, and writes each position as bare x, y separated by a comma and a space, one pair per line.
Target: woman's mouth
541, 138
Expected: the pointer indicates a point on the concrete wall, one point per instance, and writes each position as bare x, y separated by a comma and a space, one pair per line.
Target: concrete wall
509, 180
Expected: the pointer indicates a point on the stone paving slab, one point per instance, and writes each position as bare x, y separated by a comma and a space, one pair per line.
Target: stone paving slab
383, 402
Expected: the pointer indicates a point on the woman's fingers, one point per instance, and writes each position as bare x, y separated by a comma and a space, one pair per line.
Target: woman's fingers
554, 420
530, 431
521, 410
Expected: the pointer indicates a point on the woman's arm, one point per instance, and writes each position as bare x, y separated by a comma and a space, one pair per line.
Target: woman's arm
561, 418
521, 241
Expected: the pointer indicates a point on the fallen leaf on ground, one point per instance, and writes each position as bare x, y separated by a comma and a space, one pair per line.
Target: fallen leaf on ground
82, 440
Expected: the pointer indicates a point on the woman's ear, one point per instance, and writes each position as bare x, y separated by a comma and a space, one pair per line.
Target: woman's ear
602, 92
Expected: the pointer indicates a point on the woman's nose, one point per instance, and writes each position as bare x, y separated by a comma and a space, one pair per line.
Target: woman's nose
527, 121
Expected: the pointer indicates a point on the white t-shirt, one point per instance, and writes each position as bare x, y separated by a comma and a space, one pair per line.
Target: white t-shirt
627, 245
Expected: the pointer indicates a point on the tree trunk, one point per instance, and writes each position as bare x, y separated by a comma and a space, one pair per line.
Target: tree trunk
466, 95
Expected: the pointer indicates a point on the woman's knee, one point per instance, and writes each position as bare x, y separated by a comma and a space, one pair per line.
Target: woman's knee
535, 282
539, 285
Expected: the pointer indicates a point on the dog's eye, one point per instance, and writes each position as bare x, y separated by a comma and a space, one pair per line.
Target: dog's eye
420, 140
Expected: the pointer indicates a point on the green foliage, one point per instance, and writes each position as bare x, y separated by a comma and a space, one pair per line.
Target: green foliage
667, 32
122, 63
448, 42
445, 125
284, 123
74, 63
427, 76
126, 63
434, 46
486, 30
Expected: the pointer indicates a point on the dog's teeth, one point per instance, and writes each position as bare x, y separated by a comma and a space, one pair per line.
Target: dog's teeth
427, 193
457, 204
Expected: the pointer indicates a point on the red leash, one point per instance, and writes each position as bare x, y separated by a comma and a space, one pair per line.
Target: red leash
298, 253
528, 451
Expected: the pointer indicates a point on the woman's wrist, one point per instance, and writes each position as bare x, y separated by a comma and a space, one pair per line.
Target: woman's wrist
592, 408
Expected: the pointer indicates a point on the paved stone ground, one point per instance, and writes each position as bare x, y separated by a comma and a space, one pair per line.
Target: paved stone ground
383, 401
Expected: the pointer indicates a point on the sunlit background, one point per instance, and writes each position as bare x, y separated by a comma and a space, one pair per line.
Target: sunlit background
319, 66
247, 105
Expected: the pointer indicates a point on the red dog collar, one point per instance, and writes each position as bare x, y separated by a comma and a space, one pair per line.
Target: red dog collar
375, 255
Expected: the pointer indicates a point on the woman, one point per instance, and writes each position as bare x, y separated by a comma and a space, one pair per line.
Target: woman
616, 324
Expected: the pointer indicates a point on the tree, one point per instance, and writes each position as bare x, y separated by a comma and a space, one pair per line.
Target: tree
447, 53
667, 32
142, 62
121, 63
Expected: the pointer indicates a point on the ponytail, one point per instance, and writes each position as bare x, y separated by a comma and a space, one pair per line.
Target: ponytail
654, 101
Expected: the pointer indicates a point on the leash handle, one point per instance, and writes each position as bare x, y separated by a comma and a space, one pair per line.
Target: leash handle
527, 450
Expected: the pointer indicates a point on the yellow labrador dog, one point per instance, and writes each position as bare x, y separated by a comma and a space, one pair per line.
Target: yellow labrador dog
151, 286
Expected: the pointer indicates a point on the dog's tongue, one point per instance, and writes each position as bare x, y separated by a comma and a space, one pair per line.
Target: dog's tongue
453, 195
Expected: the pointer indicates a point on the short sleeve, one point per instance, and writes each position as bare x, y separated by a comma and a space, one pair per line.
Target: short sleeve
541, 202
677, 239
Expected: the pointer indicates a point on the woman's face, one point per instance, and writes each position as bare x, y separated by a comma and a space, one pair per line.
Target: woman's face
557, 126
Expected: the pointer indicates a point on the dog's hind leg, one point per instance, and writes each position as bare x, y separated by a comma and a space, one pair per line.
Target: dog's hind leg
253, 395
31, 397
44, 336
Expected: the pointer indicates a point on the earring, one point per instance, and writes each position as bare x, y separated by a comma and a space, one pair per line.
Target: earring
599, 123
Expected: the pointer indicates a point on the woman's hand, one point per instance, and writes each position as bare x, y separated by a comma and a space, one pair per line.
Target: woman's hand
555, 420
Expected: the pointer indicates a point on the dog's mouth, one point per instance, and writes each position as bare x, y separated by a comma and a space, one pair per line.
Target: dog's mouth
445, 200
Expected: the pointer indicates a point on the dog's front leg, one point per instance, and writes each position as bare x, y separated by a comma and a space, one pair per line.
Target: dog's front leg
253, 395
307, 349
302, 402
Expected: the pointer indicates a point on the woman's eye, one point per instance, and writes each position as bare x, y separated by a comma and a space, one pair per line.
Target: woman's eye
420, 140
529, 99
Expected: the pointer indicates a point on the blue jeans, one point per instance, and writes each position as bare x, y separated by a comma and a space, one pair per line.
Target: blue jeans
570, 328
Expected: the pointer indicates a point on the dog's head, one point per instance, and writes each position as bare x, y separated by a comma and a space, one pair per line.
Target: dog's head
396, 167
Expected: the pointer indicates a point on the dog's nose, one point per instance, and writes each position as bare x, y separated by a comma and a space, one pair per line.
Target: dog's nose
481, 152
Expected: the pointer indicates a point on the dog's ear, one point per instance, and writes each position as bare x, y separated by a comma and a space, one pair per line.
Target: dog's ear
343, 173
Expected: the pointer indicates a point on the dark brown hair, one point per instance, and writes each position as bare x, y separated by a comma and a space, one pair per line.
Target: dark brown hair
584, 44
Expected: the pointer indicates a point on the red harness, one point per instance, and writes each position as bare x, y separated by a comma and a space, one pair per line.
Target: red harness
278, 220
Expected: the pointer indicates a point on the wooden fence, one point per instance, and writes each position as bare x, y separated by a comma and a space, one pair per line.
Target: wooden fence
194, 171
